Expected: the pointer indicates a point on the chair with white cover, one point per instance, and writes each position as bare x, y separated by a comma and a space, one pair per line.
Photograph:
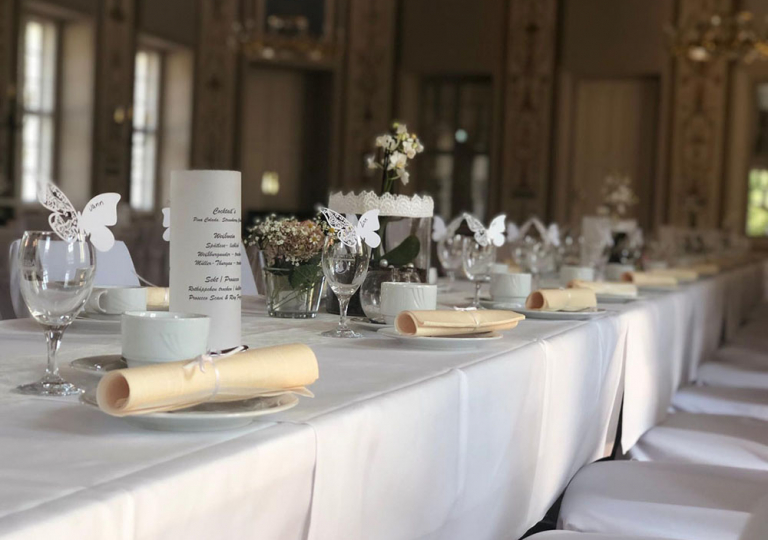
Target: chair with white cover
729, 441
725, 400
570, 535
663, 500
113, 267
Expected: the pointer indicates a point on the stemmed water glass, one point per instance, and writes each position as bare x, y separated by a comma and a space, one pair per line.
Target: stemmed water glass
476, 261
345, 268
56, 279
449, 253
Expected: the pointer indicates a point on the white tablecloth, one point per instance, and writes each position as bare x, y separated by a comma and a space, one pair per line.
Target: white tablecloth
397, 444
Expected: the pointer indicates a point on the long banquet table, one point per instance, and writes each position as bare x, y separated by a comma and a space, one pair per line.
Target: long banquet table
397, 443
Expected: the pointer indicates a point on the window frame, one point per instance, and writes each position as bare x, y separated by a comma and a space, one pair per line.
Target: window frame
54, 115
156, 131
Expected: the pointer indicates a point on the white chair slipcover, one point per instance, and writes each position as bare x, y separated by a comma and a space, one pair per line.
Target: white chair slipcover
732, 375
248, 283
747, 402
113, 267
570, 535
729, 441
664, 500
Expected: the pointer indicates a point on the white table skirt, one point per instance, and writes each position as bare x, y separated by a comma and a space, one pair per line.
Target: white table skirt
397, 444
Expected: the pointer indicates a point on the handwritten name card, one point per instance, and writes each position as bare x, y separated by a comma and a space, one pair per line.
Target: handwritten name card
205, 251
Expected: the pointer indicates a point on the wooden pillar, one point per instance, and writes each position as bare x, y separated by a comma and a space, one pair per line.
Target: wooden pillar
9, 18
368, 85
527, 94
699, 122
115, 59
213, 141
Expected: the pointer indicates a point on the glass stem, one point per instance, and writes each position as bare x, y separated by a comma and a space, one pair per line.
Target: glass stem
53, 337
451, 276
343, 305
478, 284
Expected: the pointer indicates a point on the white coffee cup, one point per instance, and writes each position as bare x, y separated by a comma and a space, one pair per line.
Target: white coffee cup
116, 300
614, 271
397, 297
569, 273
154, 337
510, 286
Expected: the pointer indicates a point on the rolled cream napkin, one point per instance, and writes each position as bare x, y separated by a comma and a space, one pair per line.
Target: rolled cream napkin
628, 290
681, 274
648, 279
561, 299
455, 323
178, 385
157, 298
706, 269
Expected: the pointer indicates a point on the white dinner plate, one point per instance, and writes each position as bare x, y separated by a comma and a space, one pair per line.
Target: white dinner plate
615, 298
99, 317
99, 364
561, 315
367, 324
512, 306
208, 416
658, 288
442, 342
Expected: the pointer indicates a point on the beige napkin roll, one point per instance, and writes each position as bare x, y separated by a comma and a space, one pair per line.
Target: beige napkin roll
158, 298
680, 274
561, 299
628, 290
455, 323
647, 279
706, 269
178, 385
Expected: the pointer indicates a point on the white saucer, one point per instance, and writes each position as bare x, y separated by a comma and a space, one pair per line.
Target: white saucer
561, 315
208, 416
471, 341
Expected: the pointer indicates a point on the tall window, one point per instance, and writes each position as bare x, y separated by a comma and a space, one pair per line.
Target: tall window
146, 113
757, 188
456, 130
38, 104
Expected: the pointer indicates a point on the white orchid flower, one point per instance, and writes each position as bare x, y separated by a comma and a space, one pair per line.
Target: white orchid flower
409, 149
372, 163
387, 142
397, 160
405, 177
402, 129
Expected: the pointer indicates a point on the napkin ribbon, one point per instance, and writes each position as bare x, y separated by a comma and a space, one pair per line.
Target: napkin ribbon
210, 358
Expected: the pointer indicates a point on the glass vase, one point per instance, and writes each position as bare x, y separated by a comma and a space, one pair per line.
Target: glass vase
289, 301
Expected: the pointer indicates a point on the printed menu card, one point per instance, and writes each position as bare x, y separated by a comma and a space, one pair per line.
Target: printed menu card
205, 251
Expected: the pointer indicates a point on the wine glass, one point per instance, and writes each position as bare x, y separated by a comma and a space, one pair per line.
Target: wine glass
449, 253
345, 268
56, 281
476, 261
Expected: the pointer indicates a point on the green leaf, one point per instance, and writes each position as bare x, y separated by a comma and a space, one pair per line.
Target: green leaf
305, 275
405, 253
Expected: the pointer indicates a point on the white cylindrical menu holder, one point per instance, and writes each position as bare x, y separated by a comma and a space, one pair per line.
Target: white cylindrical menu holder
205, 251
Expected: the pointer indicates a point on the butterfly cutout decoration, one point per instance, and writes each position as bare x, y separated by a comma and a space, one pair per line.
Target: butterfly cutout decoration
70, 225
513, 233
441, 231
347, 232
167, 224
494, 234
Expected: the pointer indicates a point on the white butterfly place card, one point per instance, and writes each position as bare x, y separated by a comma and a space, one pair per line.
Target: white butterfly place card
441, 231
93, 222
494, 234
347, 231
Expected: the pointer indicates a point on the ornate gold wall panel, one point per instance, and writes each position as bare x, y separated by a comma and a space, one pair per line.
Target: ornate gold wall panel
367, 104
528, 83
8, 47
114, 96
698, 129
215, 87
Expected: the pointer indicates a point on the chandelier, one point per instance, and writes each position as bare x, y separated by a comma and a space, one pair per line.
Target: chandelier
734, 37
